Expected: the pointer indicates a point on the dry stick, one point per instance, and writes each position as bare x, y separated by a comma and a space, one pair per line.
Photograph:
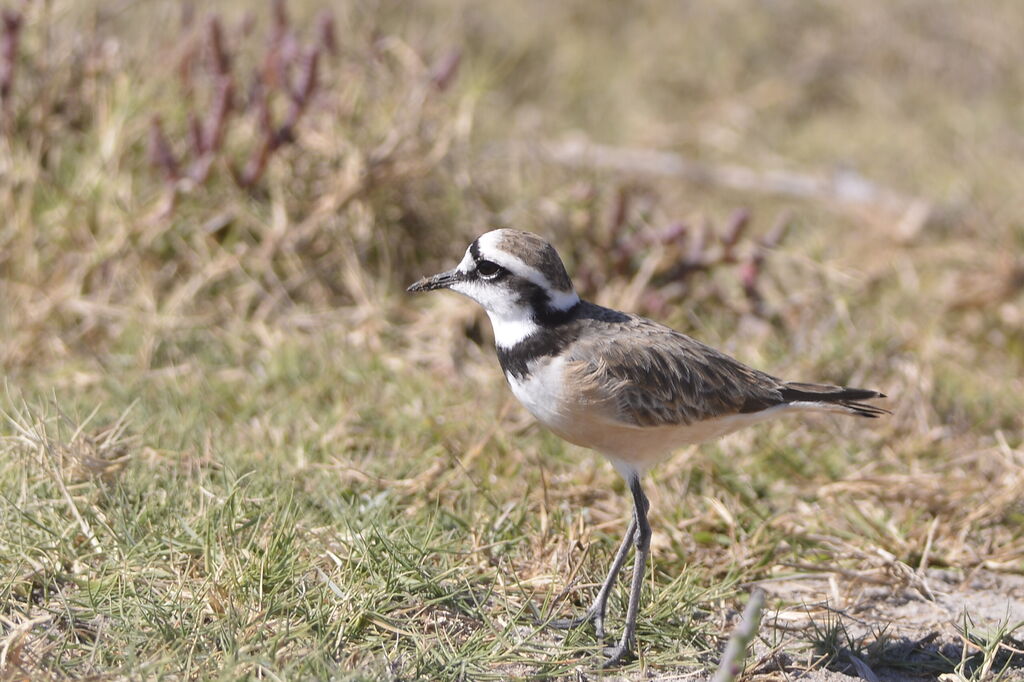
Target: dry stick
260, 154
272, 138
221, 58
208, 138
195, 134
444, 71
12, 642
280, 47
207, 132
326, 31
9, 39
216, 122
160, 154
731, 664
733, 230
302, 92
846, 188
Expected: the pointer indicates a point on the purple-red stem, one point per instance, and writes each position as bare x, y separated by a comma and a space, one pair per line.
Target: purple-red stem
9, 41
160, 154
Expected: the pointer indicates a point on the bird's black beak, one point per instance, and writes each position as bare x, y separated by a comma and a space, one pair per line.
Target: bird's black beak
442, 280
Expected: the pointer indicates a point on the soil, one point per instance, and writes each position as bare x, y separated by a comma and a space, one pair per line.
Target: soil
818, 629
827, 628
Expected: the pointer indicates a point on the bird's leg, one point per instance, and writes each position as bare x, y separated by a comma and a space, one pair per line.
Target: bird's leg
595, 614
627, 644
597, 610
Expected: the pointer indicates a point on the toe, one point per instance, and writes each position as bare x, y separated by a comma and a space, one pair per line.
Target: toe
617, 655
569, 623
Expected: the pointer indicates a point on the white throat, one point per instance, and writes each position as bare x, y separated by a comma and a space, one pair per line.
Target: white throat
511, 318
511, 329
513, 322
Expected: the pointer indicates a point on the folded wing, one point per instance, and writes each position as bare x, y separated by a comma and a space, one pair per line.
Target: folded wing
656, 376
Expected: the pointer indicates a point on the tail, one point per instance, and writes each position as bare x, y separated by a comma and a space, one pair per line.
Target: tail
841, 398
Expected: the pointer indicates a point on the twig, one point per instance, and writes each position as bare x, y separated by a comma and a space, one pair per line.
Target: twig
732, 232
731, 663
221, 58
287, 71
10, 37
160, 153
208, 139
273, 137
15, 636
326, 31
303, 90
260, 154
444, 71
213, 132
846, 188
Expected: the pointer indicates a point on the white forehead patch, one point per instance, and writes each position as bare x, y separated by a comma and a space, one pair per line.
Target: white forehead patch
467, 262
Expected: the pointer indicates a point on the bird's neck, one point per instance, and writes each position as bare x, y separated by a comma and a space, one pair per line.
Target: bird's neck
532, 336
515, 323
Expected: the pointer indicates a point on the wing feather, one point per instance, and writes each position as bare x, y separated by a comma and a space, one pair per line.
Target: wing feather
654, 376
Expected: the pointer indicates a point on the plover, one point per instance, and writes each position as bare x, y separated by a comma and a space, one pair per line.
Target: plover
625, 386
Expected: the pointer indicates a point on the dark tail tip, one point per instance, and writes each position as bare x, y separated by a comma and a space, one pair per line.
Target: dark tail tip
865, 410
841, 395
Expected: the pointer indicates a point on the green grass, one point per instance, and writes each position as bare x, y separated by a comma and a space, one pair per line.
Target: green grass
232, 447
309, 537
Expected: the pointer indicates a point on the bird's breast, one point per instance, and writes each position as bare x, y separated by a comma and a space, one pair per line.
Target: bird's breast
541, 390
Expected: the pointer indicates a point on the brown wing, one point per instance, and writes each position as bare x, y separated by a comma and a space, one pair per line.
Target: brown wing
644, 374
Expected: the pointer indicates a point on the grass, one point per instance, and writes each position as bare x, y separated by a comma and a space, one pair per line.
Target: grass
233, 448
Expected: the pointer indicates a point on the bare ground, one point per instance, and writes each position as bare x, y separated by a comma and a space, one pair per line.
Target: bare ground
820, 628
875, 632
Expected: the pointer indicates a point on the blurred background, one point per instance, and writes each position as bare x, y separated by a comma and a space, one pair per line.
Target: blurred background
214, 379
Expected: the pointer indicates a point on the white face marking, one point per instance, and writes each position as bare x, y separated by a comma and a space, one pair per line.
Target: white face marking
512, 320
467, 263
561, 300
489, 249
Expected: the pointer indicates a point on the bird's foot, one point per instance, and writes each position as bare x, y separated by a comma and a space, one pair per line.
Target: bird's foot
592, 615
569, 623
617, 655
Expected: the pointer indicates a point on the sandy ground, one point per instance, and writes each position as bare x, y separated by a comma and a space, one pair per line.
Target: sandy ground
890, 634
883, 634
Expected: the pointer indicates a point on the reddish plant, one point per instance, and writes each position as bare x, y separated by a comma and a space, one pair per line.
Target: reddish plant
287, 70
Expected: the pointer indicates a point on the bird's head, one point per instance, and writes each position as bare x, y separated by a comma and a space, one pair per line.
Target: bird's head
516, 276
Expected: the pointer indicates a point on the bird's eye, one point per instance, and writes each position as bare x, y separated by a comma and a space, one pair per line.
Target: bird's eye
487, 269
